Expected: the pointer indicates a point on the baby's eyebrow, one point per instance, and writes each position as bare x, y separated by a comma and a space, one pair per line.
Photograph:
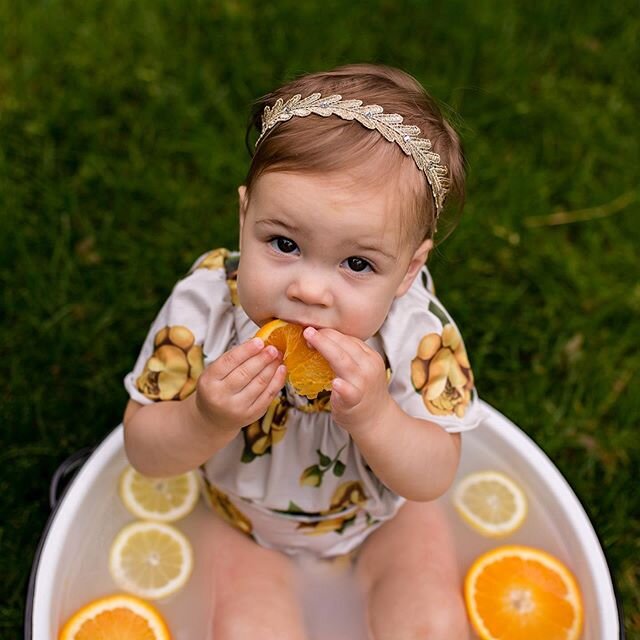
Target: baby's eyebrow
375, 249
277, 222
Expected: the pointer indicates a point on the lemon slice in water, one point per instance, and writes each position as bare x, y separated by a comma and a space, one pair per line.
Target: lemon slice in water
490, 502
150, 559
159, 499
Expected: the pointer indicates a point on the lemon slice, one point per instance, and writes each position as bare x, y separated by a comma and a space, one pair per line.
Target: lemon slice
159, 499
118, 616
150, 559
490, 502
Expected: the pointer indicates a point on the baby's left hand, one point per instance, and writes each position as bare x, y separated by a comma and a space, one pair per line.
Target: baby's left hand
360, 394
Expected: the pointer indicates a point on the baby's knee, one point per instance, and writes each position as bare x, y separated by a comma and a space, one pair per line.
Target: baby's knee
448, 622
437, 615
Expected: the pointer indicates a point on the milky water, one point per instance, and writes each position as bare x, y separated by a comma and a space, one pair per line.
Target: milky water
331, 603
326, 591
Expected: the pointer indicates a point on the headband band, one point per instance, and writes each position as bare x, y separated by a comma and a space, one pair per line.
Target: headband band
371, 116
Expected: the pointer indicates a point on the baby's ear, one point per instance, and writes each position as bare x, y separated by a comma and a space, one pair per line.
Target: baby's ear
418, 260
242, 199
242, 205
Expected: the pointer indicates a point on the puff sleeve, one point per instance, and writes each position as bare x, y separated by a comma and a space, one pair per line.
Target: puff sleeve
431, 377
194, 326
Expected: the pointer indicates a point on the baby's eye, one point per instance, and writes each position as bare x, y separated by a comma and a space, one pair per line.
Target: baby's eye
284, 245
359, 265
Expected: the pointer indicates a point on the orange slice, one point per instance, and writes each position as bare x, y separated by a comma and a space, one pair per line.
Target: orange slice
522, 593
307, 371
118, 617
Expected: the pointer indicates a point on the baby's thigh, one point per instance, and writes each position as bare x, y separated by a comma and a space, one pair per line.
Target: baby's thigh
409, 574
254, 589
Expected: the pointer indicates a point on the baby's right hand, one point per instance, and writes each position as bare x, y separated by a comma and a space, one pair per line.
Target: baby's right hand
237, 388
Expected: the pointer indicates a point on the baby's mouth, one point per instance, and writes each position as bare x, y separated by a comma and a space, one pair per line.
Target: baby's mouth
302, 323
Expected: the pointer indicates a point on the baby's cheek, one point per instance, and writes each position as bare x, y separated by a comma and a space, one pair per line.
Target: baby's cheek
365, 317
360, 325
253, 297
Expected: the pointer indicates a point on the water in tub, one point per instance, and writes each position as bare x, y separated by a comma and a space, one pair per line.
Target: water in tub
325, 592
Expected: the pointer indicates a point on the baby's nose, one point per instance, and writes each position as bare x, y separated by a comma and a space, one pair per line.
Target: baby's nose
310, 288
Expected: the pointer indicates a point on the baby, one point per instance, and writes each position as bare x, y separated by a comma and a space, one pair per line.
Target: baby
337, 216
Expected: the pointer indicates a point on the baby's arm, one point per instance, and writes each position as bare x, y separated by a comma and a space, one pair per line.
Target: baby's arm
171, 437
415, 458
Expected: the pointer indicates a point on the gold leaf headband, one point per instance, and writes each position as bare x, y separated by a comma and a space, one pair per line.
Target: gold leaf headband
371, 116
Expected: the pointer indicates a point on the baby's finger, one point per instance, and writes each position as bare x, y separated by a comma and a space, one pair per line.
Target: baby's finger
356, 348
265, 394
259, 383
252, 369
233, 358
335, 347
344, 395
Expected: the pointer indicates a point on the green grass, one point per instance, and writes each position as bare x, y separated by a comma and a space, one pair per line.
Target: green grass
122, 144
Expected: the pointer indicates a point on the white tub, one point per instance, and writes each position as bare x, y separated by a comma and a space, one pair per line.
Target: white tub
70, 567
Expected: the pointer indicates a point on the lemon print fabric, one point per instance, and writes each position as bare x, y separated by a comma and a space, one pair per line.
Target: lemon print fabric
214, 259
442, 374
267, 432
321, 403
222, 505
313, 475
173, 369
347, 495
224, 259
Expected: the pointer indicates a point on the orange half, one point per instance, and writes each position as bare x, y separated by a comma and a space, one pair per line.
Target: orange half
522, 593
118, 617
308, 372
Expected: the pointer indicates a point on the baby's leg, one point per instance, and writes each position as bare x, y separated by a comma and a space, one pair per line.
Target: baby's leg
254, 589
410, 578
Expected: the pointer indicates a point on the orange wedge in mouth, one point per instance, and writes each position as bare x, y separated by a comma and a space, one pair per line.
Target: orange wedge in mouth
307, 370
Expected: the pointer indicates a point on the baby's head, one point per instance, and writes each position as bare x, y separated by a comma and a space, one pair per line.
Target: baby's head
336, 220
323, 145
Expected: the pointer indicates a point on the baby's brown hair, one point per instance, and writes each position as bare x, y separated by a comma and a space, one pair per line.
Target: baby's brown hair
317, 144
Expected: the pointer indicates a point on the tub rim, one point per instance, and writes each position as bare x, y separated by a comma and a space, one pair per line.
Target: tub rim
76, 466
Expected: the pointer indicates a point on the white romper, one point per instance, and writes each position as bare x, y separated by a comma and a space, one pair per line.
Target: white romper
294, 480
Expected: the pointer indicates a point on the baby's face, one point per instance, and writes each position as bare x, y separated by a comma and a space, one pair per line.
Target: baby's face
324, 252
